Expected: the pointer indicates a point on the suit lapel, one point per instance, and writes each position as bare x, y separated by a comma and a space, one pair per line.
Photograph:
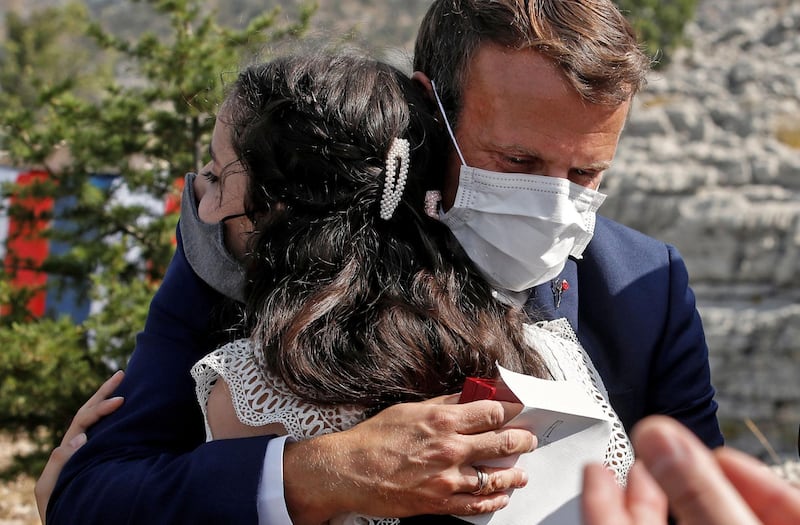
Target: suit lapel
544, 303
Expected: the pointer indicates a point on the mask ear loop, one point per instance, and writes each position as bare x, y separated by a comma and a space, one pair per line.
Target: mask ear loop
447, 123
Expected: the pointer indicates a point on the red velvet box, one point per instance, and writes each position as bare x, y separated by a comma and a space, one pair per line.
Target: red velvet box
476, 388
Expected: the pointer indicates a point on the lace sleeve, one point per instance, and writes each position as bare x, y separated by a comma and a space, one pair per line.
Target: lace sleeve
261, 399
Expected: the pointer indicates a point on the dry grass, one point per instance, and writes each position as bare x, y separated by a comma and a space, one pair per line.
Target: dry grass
17, 505
787, 131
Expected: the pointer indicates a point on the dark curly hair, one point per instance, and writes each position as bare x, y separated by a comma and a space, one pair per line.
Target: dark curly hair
344, 306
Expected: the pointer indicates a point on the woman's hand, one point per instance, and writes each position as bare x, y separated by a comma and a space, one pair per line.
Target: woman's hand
703, 487
97, 406
410, 459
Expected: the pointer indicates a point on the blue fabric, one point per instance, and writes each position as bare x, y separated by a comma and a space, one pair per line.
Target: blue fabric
148, 463
638, 322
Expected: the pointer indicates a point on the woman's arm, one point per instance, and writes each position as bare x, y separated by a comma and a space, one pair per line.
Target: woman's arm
148, 461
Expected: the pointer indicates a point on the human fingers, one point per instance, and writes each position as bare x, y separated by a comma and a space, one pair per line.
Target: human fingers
483, 425
644, 499
602, 500
477, 416
469, 505
481, 415
459, 438
469, 496
96, 407
771, 498
510, 410
485, 438
409, 459
52, 469
483, 480
697, 490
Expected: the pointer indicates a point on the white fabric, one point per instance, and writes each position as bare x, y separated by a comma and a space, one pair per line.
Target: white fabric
566, 359
260, 398
520, 229
271, 505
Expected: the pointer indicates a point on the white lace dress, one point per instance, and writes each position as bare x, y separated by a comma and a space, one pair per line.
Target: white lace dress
261, 399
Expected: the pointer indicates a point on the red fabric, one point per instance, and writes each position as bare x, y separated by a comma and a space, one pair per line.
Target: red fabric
27, 248
173, 202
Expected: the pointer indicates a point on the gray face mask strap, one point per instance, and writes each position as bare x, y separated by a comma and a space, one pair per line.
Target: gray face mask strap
447, 123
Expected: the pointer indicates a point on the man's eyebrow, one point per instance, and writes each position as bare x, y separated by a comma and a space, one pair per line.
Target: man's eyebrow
516, 149
601, 165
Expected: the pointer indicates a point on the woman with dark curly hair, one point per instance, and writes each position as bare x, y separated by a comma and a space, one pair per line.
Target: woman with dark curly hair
357, 296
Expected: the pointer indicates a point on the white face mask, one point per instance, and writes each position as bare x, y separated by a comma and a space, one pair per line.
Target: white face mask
519, 229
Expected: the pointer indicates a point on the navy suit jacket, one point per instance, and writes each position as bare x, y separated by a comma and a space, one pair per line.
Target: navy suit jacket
637, 320
148, 462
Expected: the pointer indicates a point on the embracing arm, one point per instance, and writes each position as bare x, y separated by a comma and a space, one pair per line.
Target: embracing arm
147, 462
390, 465
98, 406
410, 459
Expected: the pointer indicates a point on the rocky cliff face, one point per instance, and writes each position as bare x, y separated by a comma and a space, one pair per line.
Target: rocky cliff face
710, 162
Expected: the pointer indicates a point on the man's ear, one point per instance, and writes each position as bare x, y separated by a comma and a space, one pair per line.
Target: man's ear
424, 81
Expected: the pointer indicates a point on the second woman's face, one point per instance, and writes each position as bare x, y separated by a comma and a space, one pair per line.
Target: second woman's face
221, 187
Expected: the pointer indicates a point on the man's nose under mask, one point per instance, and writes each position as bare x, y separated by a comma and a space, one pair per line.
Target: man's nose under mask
519, 229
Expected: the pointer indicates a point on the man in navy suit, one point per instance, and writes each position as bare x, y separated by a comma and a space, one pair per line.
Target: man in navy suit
532, 88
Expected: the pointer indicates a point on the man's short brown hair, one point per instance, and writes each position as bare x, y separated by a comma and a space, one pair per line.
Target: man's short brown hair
590, 41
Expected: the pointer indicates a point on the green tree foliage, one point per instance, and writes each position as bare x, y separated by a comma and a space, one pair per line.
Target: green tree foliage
47, 373
148, 123
47, 50
659, 24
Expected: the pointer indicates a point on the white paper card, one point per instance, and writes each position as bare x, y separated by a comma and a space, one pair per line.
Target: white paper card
572, 430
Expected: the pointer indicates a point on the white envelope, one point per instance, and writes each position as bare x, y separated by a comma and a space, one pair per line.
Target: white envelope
572, 430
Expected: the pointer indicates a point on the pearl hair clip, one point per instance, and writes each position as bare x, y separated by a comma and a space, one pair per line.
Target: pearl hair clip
397, 164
